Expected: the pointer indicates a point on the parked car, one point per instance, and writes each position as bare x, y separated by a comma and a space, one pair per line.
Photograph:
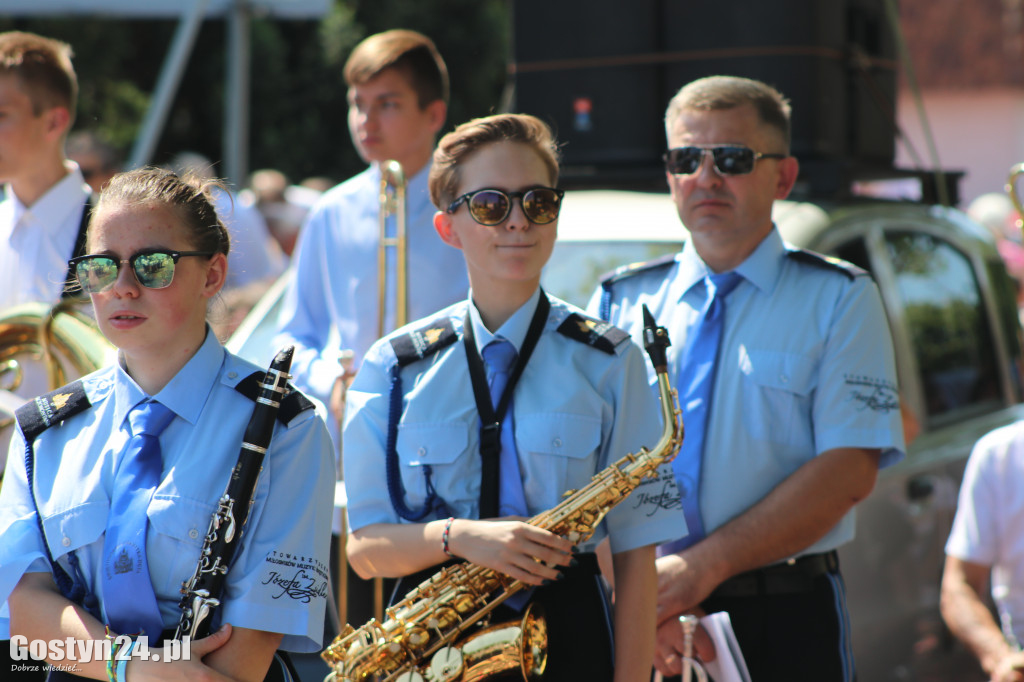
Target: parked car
957, 337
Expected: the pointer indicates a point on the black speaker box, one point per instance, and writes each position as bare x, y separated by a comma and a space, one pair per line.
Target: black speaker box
602, 72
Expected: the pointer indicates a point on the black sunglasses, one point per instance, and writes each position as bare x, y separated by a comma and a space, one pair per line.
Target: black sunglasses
491, 206
729, 159
154, 269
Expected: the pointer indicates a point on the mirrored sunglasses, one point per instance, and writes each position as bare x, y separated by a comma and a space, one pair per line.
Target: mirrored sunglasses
492, 206
728, 160
153, 269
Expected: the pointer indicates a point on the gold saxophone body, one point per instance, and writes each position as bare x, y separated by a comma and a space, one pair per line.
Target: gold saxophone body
438, 631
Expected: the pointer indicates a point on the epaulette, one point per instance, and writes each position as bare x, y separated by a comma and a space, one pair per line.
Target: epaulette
830, 262
631, 269
422, 342
41, 413
601, 335
293, 404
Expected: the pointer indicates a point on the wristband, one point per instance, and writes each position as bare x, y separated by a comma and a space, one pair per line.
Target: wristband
111, 676
445, 534
120, 674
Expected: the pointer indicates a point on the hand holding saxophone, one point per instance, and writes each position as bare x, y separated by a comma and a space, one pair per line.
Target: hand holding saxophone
529, 554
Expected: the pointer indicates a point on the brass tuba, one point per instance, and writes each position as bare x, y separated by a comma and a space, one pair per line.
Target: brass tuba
65, 341
435, 632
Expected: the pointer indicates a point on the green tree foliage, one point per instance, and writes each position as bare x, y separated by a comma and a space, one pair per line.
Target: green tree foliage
298, 108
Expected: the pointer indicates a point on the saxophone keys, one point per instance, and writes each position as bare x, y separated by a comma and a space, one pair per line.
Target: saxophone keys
446, 664
410, 676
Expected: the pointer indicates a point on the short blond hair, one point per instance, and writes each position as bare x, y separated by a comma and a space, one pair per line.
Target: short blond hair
469, 137
43, 66
716, 93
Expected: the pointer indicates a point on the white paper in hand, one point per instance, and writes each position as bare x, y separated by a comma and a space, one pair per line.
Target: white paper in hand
728, 665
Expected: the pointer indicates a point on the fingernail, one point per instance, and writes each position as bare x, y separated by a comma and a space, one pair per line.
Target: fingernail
573, 563
546, 581
575, 549
559, 576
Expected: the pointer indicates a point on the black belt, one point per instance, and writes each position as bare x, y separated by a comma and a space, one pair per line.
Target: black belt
789, 577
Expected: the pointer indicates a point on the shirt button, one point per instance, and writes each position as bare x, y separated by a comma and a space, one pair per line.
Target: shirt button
422, 451
232, 375
193, 533
66, 541
784, 378
557, 442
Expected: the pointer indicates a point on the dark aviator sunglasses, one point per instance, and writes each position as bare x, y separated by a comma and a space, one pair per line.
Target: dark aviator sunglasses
491, 207
728, 159
154, 269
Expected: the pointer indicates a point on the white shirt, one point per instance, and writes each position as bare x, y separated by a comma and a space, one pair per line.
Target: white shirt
36, 241
989, 524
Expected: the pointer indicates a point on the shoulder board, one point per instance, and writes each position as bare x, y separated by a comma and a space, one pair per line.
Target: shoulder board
41, 413
420, 343
626, 271
293, 404
601, 335
830, 262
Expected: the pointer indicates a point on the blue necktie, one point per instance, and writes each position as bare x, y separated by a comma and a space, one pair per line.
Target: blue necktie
500, 355
696, 390
128, 597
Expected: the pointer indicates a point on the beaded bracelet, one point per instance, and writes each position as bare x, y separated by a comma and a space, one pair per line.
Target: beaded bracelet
445, 534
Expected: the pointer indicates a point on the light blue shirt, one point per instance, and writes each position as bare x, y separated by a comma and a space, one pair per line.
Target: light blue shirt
577, 410
279, 581
332, 301
805, 365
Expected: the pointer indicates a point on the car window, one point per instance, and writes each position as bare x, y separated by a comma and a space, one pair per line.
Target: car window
575, 267
945, 315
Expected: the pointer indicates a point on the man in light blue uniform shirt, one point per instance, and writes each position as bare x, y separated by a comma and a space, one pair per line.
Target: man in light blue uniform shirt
804, 408
398, 92
279, 580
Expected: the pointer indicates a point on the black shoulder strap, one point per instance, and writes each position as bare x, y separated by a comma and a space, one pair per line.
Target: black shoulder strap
603, 336
427, 340
41, 413
34, 417
70, 290
829, 262
292, 405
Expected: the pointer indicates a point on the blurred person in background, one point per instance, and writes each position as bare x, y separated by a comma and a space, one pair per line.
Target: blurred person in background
284, 206
985, 556
995, 211
398, 101
98, 160
255, 256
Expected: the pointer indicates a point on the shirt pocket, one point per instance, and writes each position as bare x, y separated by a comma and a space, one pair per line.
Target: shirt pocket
437, 448
777, 396
561, 451
77, 527
178, 527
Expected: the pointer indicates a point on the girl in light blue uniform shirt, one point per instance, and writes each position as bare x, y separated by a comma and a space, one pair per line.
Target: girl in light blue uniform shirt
158, 255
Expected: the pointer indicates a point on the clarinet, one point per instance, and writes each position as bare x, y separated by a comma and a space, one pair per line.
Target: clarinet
201, 594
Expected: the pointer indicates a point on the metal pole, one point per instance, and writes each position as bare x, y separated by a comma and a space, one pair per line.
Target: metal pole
236, 105
167, 85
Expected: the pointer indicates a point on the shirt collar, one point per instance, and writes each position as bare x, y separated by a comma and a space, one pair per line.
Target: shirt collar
51, 210
761, 268
185, 394
514, 329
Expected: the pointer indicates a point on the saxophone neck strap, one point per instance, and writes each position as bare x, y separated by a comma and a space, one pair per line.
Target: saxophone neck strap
491, 417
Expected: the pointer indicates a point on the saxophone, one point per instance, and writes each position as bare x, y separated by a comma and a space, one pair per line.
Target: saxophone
433, 633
